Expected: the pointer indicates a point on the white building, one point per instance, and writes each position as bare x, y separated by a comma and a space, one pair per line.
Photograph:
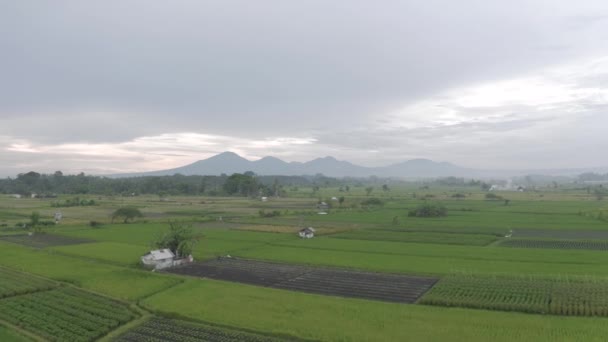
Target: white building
307, 233
163, 258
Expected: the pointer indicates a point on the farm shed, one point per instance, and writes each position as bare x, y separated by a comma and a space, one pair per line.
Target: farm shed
158, 259
307, 233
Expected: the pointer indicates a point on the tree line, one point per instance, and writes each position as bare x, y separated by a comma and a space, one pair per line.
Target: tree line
245, 184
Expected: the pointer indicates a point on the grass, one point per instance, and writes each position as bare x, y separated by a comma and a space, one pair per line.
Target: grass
363, 239
430, 259
340, 319
118, 282
113, 252
598, 245
418, 237
7, 335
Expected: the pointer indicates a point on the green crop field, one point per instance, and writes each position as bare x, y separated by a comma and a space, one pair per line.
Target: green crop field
65, 314
8, 335
551, 286
418, 237
14, 283
533, 294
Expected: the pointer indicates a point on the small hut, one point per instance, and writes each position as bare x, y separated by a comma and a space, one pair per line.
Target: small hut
307, 233
158, 259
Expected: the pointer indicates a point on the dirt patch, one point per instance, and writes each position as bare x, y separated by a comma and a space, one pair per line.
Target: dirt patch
321, 280
43, 240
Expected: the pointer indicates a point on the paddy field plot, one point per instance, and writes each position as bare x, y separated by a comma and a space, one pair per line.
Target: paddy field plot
14, 283
327, 281
574, 296
172, 330
592, 245
578, 234
43, 240
417, 237
65, 314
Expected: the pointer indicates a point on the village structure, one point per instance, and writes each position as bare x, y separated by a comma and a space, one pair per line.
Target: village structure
163, 258
307, 233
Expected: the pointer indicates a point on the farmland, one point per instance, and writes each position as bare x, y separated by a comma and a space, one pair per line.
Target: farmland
64, 314
418, 237
543, 295
14, 283
329, 281
370, 273
596, 245
158, 329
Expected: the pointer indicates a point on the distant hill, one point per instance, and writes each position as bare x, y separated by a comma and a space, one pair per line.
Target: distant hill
230, 162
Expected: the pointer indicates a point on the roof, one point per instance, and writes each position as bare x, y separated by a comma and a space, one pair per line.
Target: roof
160, 254
308, 230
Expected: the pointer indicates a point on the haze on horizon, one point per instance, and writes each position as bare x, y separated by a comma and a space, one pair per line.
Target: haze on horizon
132, 85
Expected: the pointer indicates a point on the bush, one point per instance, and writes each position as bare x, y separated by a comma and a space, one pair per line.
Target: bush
493, 197
429, 210
126, 213
94, 224
273, 213
372, 202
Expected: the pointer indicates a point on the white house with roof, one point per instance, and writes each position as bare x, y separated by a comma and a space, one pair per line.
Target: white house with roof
163, 258
307, 233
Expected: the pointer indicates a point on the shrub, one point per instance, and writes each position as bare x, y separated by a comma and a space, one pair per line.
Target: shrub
493, 197
273, 213
126, 213
372, 202
429, 210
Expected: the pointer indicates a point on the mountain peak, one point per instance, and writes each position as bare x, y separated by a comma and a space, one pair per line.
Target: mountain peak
229, 162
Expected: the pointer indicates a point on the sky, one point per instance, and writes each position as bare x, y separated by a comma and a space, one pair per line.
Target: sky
134, 85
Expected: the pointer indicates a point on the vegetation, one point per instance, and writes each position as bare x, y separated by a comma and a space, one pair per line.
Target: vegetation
418, 237
14, 283
73, 202
173, 330
180, 239
556, 273
429, 210
126, 214
554, 295
65, 314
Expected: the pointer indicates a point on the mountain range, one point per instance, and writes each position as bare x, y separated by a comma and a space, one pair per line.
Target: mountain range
230, 162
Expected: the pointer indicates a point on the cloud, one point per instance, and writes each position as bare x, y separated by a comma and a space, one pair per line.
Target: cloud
130, 85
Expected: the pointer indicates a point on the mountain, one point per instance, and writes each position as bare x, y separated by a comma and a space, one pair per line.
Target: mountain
230, 162
426, 168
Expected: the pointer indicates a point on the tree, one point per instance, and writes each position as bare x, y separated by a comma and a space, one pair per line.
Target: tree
369, 190
34, 220
385, 188
341, 200
180, 239
241, 184
126, 213
429, 210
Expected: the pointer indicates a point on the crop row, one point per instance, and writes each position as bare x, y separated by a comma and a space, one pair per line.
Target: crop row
559, 296
13, 283
597, 245
159, 329
64, 314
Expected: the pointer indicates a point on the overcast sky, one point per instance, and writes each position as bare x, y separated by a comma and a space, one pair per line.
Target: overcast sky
138, 85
